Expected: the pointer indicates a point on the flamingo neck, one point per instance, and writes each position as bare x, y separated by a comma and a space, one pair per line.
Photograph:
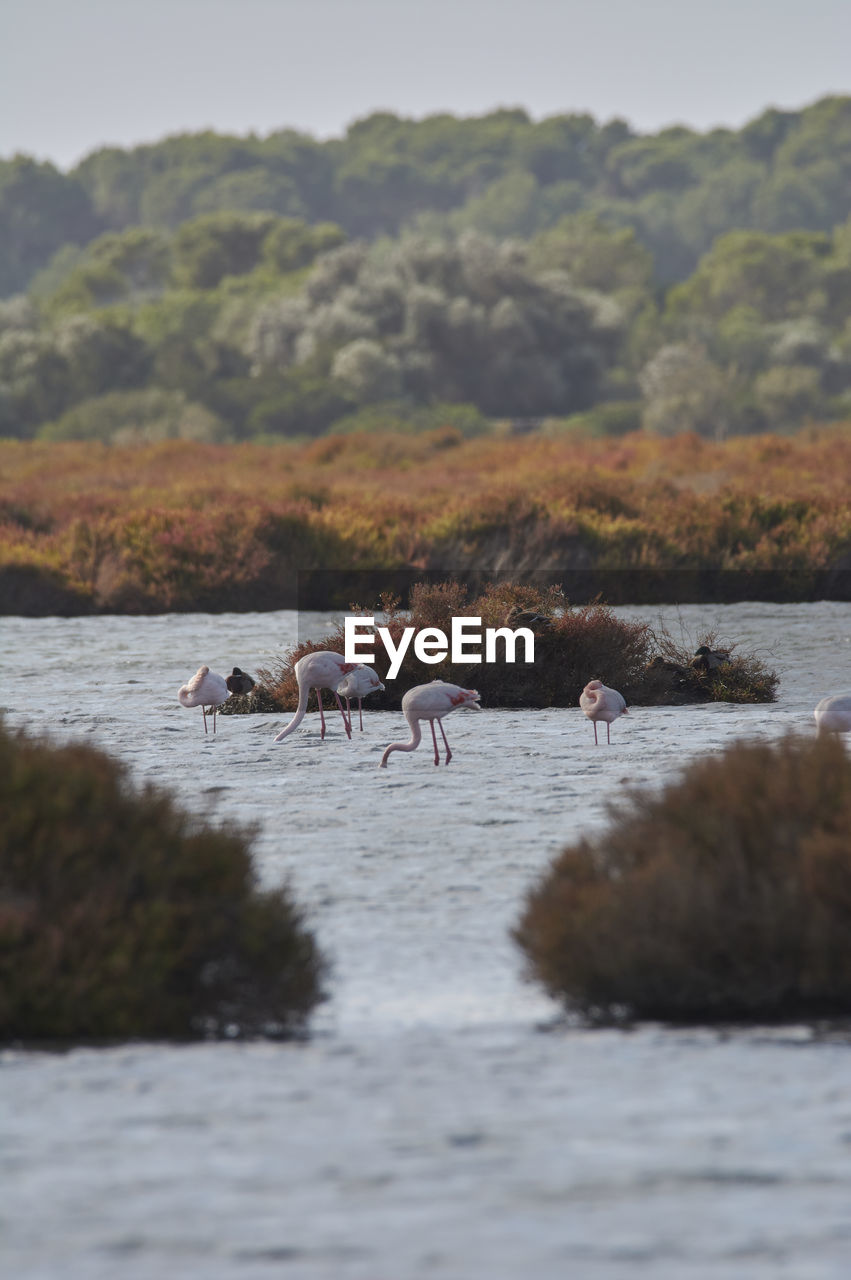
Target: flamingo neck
411, 745
303, 695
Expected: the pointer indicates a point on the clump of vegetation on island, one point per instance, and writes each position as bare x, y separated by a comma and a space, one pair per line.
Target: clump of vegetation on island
122, 917
573, 644
727, 896
677, 676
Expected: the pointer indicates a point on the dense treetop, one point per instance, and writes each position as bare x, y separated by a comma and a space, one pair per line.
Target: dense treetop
222, 288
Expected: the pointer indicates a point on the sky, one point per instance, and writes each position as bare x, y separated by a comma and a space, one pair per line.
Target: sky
79, 74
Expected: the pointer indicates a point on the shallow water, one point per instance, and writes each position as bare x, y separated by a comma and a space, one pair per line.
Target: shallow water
441, 1121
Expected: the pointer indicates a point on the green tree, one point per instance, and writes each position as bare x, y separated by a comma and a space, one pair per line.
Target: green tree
219, 244
40, 210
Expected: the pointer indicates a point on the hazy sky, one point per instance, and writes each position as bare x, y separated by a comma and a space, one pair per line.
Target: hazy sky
77, 74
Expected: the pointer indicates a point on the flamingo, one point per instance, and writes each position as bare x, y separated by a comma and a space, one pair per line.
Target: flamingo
357, 684
320, 670
239, 681
833, 715
431, 702
599, 702
205, 689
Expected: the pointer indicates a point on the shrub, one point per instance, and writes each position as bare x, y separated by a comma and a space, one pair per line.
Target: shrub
136, 417
670, 680
120, 916
727, 896
580, 643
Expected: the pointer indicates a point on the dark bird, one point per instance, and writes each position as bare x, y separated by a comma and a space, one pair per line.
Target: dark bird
706, 659
239, 681
518, 617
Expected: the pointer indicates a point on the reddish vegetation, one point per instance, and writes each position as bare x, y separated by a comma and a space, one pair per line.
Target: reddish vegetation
187, 526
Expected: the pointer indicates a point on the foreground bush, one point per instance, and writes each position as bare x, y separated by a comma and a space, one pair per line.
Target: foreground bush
572, 646
120, 916
727, 896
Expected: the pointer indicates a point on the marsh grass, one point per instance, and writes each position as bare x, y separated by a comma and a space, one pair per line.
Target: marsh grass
727, 896
122, 917
187, 526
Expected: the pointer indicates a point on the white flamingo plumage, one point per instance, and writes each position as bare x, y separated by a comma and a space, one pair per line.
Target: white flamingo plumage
358, 684
599, 702
431, 702
319, 670
205, 689
833, 715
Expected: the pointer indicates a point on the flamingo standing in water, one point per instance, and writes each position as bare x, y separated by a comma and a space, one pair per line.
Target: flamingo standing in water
431, 702
205, 689
599, 702
357, 684
319, 670
833, 715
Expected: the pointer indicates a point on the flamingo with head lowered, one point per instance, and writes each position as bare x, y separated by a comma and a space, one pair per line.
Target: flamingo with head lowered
205, 689
431, 702
319, 670
833, 715
357, 684
599, 702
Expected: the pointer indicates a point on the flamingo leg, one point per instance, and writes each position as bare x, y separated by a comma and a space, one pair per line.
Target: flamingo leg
360, 713
321, 714
204, 714
434, 737
443, 731
594, 722
346, 723
608, 733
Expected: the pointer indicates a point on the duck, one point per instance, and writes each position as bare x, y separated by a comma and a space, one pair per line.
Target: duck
239, 681
706, 659
518, 617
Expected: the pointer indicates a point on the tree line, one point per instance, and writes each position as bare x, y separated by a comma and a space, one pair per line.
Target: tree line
501, 173
422, 272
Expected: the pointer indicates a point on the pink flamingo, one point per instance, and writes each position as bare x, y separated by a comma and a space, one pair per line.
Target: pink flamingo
431, 702
205, 689
833, 715
599, 702
357, 684
319, 670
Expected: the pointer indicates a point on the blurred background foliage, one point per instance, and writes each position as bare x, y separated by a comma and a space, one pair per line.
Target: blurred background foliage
466, 270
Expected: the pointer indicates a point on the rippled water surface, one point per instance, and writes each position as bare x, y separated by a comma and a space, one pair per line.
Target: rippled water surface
441, 1121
